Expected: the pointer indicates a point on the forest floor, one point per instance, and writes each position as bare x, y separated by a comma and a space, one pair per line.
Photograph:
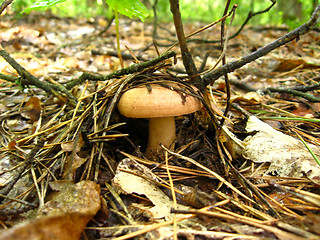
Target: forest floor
72, 170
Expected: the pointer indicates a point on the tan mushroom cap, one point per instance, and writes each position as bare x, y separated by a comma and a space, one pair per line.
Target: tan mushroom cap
139, 102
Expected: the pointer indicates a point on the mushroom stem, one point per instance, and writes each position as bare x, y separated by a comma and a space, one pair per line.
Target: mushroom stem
161, 130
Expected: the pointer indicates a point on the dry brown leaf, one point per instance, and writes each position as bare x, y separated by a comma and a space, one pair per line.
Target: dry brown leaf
68, 226
303, 110
287, 155
249, 98
72, 164
66, 214
285, 65
83, 197
129, 183
32, 109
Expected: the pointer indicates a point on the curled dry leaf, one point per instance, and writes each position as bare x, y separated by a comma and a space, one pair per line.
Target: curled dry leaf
74, 161
285, 65
72, 164
32, 109
288, 157
249, 98
128, 183
66, 214
63, 227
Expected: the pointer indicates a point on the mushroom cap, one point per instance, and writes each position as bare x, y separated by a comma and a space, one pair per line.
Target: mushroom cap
139, 102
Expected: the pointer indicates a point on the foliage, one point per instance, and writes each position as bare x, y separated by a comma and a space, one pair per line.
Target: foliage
19, 5
43, 4
129, 8
206, 10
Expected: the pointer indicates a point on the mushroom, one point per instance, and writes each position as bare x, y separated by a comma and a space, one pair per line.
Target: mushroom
160, 105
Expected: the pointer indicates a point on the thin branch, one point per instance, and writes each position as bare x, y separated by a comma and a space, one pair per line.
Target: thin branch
201, 29
186, 56
307, 88
224, 40
209, 78
307, 96
27, 79
4, 5
299, 91
125, 56
9, 78
110, 21
155, 19
124, 71
252, 14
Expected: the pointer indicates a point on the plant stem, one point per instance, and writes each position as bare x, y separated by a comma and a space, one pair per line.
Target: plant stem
116, 17
186, 56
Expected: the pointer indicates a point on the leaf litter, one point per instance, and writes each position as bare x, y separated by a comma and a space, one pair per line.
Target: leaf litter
226, 187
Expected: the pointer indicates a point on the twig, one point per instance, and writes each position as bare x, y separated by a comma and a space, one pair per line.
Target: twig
252, 14
224, 40
307, 88
107, 27
242, 85
307, 96
230, 67
296, 91
28, 79
124, 71
9, 78
4, 5
204, 62
155, 19
125, 56
199, 31
186, 56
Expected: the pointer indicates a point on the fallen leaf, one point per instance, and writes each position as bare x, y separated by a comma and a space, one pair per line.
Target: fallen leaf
285, 65
128, 183
32, 109
63, 227
302, 110
66, 215
288, 157
249, 98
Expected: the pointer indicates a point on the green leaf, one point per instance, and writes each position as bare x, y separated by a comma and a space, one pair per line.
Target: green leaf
129, 8
43, 4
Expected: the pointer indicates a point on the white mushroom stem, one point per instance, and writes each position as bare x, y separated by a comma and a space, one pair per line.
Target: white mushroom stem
161, 131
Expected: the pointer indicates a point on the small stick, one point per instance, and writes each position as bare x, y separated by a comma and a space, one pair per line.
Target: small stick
124, 71
186, 56
230, 67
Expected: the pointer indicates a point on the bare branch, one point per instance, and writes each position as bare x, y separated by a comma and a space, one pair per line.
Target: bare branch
186, 56
230, 67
